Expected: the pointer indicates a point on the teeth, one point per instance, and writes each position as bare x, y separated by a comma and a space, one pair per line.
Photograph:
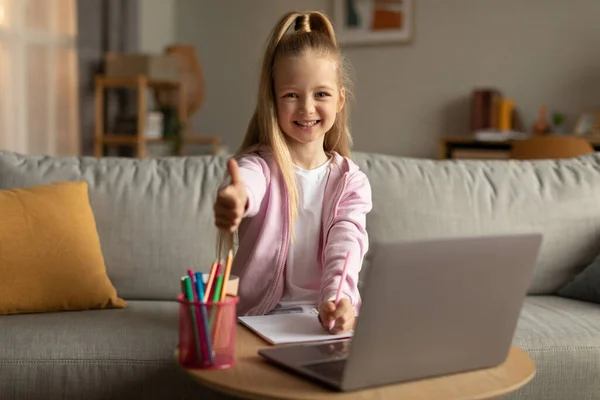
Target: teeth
306, 124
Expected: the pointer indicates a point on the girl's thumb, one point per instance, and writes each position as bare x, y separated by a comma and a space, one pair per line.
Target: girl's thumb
234, 171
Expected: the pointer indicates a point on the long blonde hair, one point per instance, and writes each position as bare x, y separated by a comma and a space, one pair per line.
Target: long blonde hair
312, 32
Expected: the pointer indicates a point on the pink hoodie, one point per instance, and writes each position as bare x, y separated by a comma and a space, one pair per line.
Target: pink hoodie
265, 232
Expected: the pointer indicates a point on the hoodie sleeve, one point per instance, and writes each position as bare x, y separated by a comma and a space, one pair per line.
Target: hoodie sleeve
347, 233
255, 174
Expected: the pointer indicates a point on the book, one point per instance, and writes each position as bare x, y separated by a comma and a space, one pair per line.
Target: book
484, 108
292, 327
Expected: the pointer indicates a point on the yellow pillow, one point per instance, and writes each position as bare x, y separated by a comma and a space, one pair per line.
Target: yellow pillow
50, 256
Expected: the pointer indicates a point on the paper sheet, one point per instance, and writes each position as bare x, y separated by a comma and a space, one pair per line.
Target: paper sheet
289, 328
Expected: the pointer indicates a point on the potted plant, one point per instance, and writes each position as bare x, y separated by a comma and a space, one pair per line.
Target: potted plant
558, 121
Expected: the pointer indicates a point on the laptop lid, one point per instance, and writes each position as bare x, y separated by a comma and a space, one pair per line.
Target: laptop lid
439, 306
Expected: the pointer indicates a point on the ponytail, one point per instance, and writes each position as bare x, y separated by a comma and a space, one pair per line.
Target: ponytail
315, 22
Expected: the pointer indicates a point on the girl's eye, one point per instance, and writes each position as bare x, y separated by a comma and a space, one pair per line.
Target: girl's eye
321, 94
291, 95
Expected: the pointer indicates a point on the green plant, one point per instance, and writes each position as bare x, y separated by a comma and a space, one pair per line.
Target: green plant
171, 123
558, 119
172, 127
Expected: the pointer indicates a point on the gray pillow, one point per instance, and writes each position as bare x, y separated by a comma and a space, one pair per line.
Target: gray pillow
586, 285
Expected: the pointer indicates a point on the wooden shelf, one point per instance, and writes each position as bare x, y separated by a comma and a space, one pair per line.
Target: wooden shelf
122, 139
135, 81
139, 141
112, 138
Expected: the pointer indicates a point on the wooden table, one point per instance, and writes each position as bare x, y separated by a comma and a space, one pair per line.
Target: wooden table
252, 377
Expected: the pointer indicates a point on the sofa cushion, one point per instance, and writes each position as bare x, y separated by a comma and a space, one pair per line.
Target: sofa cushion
50, 253
420, 198
143, 332
586, 285
153, 216
562, 336
96, 354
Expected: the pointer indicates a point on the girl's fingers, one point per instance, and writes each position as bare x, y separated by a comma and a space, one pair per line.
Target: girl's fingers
226, 202
344, 316
236, 212
340, 327
225, 213
230, 197
222, 226
344, 307
226, 224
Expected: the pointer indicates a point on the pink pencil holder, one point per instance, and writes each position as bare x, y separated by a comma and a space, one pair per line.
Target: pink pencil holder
207, 333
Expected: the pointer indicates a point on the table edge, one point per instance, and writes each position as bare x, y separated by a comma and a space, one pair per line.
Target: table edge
240, 392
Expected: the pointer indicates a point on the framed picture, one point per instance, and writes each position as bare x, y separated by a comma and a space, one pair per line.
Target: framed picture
588, 124
373, 21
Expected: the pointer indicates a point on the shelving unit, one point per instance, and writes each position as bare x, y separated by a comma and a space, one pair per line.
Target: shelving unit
139, 141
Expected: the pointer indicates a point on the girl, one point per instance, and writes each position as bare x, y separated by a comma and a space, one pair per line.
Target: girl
297, 201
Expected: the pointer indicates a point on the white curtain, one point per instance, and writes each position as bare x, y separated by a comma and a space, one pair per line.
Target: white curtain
38, 77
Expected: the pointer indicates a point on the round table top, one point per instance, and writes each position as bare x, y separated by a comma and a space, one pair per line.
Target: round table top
253, 377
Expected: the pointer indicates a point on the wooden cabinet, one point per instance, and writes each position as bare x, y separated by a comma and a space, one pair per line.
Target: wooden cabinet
467, 147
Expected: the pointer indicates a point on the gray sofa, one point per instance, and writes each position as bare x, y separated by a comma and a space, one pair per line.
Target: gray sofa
154, 220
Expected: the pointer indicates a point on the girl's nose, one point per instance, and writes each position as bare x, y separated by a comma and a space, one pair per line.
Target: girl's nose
308, 107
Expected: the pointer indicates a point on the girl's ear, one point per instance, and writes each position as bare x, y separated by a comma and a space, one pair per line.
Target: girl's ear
341, 100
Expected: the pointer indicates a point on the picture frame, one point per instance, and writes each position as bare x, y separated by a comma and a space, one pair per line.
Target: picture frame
368, 22
588, 123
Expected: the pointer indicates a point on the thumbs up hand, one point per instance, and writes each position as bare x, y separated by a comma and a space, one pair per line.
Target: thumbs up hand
231, 200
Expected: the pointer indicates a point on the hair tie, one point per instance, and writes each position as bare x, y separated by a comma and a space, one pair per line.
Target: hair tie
302, 23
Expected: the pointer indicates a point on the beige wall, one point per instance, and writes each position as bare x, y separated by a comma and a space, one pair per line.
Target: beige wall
536, 51
156, 24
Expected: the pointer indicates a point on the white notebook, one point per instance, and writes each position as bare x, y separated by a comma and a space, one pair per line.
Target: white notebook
289, 328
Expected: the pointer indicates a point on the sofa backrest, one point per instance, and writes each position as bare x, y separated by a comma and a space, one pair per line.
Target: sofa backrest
420, 198
154, 216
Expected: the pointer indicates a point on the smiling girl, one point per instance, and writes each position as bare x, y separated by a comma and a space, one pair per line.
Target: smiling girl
298, 202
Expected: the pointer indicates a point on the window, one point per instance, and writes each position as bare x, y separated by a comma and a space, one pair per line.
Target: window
38, 77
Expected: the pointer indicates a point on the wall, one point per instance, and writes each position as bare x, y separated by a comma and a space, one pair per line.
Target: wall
538, 52
102, 26
156, 24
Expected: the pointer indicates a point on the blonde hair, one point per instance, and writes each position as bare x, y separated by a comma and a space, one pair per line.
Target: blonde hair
312, 32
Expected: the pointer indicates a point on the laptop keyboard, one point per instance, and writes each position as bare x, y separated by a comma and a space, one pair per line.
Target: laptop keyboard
329, 369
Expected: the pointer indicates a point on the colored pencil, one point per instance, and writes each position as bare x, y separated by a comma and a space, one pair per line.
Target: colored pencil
215, 296
225, 279
206, 333
189, 294
211, 279
202, 327
226, 274
339, 290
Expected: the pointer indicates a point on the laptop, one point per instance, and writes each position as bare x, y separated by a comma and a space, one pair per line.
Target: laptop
429, 308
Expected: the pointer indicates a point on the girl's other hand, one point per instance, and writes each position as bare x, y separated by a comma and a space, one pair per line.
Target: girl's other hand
231, 200
342, 315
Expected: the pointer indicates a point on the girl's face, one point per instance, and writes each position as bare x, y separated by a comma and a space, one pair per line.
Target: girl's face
308, 97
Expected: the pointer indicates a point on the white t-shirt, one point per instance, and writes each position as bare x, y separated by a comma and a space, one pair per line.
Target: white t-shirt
302, 272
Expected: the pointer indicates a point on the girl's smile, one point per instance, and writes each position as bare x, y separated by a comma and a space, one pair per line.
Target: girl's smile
307, 125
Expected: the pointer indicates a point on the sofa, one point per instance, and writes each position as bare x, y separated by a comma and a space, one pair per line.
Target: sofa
154, 220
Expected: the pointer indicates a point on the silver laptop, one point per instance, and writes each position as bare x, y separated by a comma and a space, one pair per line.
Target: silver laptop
430, 308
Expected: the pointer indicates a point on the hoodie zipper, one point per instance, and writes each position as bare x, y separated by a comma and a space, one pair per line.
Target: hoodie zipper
268, 304
336, 203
